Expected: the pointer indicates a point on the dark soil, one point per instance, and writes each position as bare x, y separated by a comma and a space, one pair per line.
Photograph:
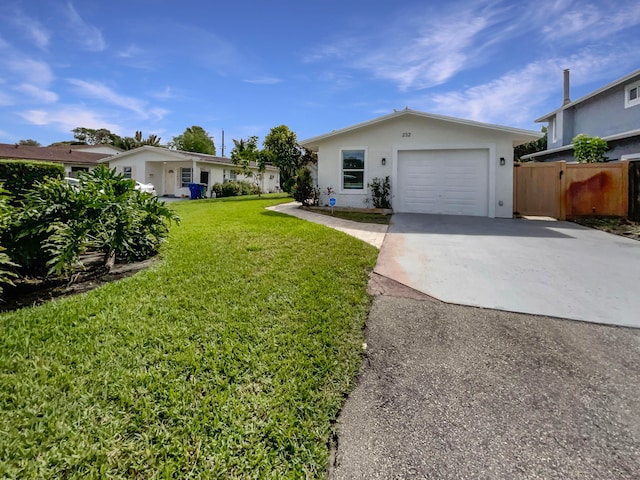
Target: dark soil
35, 291
618, 226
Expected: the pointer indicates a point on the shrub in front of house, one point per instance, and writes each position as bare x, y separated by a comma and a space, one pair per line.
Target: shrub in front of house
19, 176
234, 189
57, 223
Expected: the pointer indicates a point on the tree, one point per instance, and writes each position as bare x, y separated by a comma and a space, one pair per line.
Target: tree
538, 145
303, 189
194, 139
98, 136
30, 142
588, 149
249, 158
285, 153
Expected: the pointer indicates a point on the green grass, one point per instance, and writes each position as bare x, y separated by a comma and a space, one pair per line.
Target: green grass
230, 358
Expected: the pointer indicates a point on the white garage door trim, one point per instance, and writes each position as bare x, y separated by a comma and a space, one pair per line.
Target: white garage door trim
487, 154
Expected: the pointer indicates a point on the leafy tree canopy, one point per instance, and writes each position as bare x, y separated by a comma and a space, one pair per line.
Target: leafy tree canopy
91, 136
285, 153
588, 149
30, 142
194, 139
538, 145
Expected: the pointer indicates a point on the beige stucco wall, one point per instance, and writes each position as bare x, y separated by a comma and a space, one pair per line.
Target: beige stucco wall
387, 138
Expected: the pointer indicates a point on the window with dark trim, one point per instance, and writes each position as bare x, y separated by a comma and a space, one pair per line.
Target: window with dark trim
353, 169
186, 176
632, 95
127, 172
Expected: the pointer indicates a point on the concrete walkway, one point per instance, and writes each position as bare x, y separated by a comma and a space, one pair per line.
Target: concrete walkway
367, 232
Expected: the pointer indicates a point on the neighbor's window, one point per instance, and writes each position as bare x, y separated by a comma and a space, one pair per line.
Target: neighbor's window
632, 95
352, 169
233, 175
553, 126
126, 172
186, 174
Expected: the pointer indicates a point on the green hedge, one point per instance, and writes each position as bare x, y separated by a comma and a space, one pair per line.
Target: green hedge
233, 189
19, 176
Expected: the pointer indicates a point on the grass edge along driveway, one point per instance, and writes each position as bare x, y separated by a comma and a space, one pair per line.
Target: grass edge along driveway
230, 358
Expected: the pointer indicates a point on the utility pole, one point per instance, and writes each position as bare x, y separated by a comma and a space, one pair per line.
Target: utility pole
223, 142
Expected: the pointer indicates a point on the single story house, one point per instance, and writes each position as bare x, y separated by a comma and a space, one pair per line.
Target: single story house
611, 112
171, 171
75, 158
436, 164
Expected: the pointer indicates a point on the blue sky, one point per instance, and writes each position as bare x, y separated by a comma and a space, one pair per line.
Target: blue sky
245, 66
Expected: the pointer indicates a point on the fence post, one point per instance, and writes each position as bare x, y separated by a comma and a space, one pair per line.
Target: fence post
562, 201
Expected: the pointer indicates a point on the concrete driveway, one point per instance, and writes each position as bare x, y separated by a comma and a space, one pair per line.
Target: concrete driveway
558, 269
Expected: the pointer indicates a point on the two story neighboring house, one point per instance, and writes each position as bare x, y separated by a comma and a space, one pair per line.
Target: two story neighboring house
611, 113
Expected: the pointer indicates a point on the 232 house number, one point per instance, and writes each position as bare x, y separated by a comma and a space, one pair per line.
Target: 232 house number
406, 134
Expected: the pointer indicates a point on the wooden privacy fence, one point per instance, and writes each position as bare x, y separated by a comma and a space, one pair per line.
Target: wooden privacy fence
561, 190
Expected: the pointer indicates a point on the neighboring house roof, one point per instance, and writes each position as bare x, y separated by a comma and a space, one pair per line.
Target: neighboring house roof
520, 135
100, 148
609, 138
66, 155
609, 86
177, 155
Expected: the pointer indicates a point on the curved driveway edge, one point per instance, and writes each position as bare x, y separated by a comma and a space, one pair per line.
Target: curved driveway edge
368, 232
558, 269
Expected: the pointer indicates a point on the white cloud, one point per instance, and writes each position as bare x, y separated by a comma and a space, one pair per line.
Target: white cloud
263, 80
101, 92
67, 117
582, 22
517, 97
131, 51
424, 50
36, 93
89, 35
36, 72
32, 28
167, 94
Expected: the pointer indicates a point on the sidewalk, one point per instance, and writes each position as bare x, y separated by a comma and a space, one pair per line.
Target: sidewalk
368, 232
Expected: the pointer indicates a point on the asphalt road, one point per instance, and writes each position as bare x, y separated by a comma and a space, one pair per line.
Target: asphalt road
449, 391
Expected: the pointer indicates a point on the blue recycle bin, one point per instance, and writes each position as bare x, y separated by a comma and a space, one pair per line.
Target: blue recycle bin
196, 190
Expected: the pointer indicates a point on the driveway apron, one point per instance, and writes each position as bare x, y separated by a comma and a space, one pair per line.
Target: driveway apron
552, 268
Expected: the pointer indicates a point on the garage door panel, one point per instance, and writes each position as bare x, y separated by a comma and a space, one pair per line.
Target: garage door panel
452, 182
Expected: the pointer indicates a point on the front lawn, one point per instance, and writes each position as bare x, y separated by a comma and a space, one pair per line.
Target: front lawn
230, 358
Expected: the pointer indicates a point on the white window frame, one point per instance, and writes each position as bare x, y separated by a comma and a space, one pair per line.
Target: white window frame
127, 172
553, 126
357, 191
632, 87
182, 182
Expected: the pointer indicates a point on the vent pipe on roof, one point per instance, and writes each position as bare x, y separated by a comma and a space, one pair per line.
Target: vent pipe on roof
567, 87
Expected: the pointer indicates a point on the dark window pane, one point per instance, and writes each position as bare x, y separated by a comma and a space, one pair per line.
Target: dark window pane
353, 180
353, 159
633, 93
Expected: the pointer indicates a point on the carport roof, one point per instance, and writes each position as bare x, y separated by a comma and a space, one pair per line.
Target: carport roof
519, 135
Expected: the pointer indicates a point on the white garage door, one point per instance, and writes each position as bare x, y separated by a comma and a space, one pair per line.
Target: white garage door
450, 182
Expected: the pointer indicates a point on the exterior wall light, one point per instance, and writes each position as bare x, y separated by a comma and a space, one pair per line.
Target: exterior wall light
384, 161
502, 161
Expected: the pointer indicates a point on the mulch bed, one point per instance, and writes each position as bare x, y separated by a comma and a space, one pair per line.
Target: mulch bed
35, 291
618, 226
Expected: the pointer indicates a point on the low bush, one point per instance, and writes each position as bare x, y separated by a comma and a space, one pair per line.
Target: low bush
58, 223
380, 192
234, 189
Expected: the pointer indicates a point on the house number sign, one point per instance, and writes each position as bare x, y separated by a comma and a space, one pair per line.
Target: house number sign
406, 134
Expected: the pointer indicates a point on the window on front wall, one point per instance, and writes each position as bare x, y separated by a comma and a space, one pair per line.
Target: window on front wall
126, 172
186, 175
353, 169
632, 95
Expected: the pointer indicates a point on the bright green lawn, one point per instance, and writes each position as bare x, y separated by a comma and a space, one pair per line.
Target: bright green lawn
229, 359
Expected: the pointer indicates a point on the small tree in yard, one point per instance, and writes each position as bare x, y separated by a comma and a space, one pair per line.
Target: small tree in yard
250, 159
303, 189
588, 149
